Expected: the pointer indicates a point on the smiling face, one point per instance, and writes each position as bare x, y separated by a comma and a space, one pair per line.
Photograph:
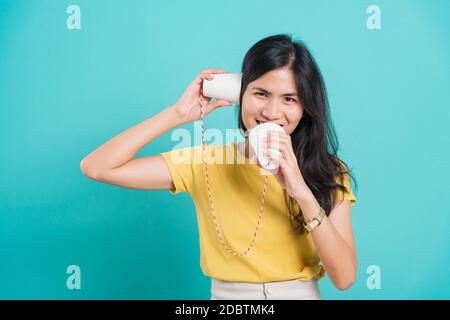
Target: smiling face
273, 97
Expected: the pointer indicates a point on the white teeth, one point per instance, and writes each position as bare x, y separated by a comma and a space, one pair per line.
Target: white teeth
259, 122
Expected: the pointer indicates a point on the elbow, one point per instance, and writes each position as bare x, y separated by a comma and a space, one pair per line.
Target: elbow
88, 171
345, 283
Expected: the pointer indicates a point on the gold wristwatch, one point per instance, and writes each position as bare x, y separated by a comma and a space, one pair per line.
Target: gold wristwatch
315, 222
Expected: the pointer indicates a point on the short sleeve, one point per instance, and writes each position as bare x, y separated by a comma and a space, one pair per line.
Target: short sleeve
181, 167
348, 195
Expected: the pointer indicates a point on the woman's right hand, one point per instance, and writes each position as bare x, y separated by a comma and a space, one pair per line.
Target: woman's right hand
188, 106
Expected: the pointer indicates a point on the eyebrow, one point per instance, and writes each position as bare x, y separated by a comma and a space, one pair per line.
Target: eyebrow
267, 92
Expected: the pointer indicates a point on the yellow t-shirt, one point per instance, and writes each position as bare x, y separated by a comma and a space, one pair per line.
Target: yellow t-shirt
278, 253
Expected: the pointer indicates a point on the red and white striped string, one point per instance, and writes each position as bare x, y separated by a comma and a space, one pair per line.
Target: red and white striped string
219, 233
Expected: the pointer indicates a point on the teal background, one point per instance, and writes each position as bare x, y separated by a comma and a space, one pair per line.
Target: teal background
64, 92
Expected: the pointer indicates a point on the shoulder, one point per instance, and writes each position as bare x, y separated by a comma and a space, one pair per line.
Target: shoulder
343, 179
343, 172
194, 154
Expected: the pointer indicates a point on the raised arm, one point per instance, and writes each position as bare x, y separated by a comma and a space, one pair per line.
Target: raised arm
114, 162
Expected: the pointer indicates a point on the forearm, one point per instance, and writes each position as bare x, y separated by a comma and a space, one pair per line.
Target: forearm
124, 146
338, 258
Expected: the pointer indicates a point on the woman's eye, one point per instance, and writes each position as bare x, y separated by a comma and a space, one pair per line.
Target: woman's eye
260, 93
291, 100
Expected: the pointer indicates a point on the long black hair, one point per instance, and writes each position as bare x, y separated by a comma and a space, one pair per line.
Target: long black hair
314, 140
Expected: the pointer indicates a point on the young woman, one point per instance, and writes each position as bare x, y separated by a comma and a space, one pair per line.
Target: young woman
306, 228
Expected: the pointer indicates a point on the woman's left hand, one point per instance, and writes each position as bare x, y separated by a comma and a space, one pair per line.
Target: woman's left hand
288, 173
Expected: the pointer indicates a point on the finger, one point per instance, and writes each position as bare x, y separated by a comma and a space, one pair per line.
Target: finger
272, 137
224, 102
208, 73
214, 71
201, 77
281, 137
286, 138
206, 76
284, 149
206, 100
274, 143
275, 146
278, 134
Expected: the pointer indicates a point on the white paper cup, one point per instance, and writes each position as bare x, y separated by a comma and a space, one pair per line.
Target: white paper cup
224, 86
256, 138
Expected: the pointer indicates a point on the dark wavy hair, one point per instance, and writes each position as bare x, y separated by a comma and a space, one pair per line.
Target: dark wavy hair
314, 140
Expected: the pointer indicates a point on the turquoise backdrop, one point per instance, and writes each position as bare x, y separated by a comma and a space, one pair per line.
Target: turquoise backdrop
63, 92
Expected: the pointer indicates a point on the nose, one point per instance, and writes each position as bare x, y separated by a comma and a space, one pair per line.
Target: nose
271, 111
